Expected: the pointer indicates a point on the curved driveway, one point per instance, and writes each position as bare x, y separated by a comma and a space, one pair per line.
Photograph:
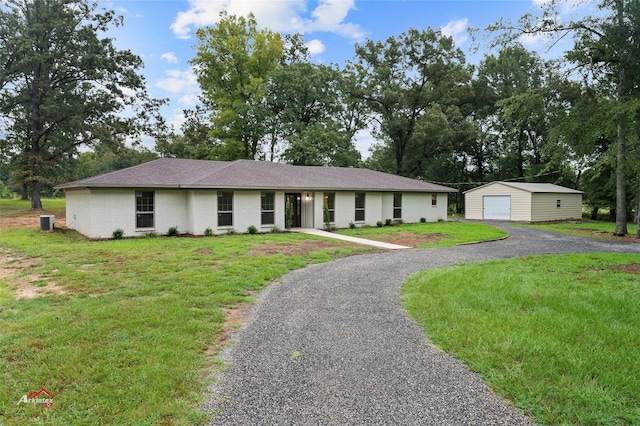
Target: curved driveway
331, 345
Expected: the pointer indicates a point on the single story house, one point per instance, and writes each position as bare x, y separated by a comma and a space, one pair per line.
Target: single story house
197, 195
526, 202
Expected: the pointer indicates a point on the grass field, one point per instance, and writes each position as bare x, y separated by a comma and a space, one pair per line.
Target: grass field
127, 331
589, 228
556, 335
436, 234
8, 208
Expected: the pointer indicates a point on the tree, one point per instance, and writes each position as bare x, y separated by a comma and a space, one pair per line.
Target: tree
233, 63
607, 53
512, 85
63, 85
309, 103
408, 80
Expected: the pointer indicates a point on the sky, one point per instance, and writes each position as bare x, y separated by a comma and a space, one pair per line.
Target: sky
161, 32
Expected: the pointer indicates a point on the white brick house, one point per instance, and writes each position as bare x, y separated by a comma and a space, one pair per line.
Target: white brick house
194, 195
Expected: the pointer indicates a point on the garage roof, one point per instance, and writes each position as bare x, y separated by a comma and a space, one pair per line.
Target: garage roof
533, 187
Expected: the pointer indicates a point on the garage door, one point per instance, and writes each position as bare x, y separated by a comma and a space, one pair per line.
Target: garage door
497, 207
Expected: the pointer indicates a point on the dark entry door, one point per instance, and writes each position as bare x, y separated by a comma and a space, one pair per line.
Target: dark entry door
296, 208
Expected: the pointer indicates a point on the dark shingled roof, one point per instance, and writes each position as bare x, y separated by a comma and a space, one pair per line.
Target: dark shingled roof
247, 174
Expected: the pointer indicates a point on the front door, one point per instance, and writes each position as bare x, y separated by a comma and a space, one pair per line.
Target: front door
296, 208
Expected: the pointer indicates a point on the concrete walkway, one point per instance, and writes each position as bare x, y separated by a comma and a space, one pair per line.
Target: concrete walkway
321, 233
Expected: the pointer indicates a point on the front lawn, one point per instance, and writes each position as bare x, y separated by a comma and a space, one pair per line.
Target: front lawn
12, 208
125, 332
556, 335
589, 228
434, 234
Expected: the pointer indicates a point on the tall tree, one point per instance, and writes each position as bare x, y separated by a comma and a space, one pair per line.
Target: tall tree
233, 63
410, 79
64, 85
607, 52
309, 103
512, 84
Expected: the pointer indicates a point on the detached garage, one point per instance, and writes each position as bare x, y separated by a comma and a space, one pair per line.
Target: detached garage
525, 202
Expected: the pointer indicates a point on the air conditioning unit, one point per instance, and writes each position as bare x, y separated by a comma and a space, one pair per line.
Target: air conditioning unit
46, 222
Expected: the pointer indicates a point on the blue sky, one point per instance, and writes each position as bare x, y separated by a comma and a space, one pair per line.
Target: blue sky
161, 32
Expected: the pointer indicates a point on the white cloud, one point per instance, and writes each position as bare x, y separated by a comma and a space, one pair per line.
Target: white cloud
315, 47
169, 57
181, 83
282, 16
457, 30
329, 16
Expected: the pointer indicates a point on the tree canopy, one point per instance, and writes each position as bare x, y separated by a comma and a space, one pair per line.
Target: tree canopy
64, 85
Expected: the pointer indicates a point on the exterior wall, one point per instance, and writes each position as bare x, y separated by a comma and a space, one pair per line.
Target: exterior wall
246, 210
279, 210
98, 212
171, 209
345, 209
418, 205
102, 212
387, 206
373, 208
307, 207
545, 208
203, 211
520, 202
78, 206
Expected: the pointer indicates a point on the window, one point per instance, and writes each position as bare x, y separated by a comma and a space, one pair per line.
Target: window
434, 199
144, 209
360, 198
267, 207
558, 203
225, 208
397, 205
330, 206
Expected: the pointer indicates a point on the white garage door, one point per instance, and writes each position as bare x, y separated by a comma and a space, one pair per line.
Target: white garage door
497, 207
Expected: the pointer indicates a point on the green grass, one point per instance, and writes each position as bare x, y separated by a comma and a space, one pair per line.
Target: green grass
133, 341
448, 233
55, 206
585, 228
556, 335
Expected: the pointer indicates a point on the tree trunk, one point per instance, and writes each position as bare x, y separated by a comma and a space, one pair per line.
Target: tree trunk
594, 213
621, 194
25, 191
638, 219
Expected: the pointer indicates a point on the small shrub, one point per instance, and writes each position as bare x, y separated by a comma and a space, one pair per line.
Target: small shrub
150, 234
118, 234
352, 225
441, 220
252, 230
388, 222
231, 231
379, 224
326, 217
275, 230
398, 222
423, 220
173, 231
208, 232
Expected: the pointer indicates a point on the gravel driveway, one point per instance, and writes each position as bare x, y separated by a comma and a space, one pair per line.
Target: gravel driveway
331, 345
